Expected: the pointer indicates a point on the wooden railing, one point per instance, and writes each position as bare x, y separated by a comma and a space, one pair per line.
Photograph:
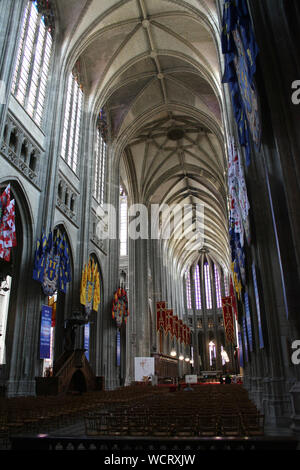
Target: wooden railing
148, 446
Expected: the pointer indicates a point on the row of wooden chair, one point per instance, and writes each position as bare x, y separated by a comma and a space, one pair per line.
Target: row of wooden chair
179, 425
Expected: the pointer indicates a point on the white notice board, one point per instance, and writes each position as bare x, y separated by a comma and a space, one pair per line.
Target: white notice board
144, 367
191, 379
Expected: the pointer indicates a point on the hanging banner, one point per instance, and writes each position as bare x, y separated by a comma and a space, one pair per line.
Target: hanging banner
175, 327
240, 49
233, 298
90, 287
188, 335
181, 331
120, 306
228, 318
184, 332
260, 332
241, 356
87, 340
45, 334
168, 322
7, 224
248, 321
52, 265
160, 315
247, 89
52, 303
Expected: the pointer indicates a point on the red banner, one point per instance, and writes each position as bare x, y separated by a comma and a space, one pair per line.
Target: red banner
228, 318
180, 330
169, 321
175, 326
184, 327
188, 335
160, 315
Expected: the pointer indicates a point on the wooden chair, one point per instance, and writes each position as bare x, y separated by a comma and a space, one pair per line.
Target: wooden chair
253, 424
160, 425
230, 425
138, 425
207, 425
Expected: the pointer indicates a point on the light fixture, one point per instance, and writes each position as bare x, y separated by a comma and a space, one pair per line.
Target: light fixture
187, 359
173, 353
181, 357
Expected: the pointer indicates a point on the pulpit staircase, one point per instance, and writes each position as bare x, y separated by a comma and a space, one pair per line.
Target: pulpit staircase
71, 373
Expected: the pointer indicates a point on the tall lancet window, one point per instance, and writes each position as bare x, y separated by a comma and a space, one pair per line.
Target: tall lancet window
123, 223
226, 286
100, 167
72, 122
207, 286
197, 288
188, 290
218, 287
33, 60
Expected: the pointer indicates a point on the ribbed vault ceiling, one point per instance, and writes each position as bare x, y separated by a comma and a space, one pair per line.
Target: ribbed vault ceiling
154, 65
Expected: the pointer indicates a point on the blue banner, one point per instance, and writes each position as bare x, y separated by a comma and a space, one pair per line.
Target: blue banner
87, 340
260, 332
248, 321
241, 356
45, 336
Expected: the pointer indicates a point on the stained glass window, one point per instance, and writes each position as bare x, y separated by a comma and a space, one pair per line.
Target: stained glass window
100, 166
188, 290
218, 287
197, 287
207, 286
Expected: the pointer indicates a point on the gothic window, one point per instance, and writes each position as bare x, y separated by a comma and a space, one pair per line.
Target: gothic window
72, 203
123, 222
33, 60
100, 166
188, 290
197, 287
226, 286
72, 123
13, 140
218, 287
207, 286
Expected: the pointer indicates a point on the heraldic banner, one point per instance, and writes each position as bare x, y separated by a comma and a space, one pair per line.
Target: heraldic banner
120, 310
160, 315
90, 287
52, 266
7, 224
228, 318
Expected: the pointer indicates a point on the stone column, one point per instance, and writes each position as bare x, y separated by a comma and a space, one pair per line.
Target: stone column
196, 344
